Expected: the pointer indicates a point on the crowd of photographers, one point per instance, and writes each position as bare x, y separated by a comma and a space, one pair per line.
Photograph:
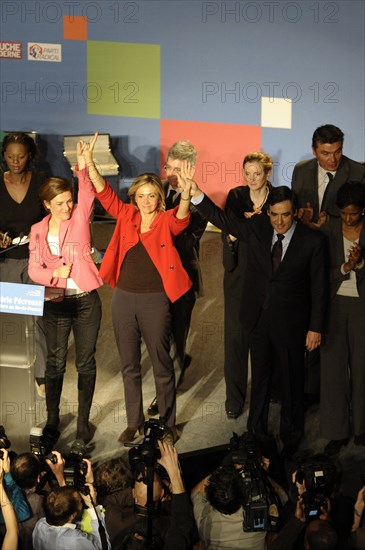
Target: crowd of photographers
53, 502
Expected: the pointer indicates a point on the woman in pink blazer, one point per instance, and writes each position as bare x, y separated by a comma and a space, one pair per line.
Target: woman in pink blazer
60, 259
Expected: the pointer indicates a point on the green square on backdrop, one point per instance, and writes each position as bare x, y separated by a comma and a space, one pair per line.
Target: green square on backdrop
123, 79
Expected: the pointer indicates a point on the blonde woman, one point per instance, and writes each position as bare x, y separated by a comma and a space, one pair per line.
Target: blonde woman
143, 266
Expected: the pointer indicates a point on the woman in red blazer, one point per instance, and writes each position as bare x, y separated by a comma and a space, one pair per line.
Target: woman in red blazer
60, 259
143, 266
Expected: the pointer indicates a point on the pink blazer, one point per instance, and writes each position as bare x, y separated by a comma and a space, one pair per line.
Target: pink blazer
75, 248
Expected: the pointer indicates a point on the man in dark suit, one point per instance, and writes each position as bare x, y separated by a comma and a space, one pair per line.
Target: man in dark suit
187, 244
316, 181
285, 299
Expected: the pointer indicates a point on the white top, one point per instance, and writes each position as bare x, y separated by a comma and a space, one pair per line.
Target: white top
54, 246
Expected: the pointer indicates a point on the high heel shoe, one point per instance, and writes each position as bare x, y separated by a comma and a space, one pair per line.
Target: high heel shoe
129, 434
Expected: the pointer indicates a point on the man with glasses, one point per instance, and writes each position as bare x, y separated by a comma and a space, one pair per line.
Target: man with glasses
187, 244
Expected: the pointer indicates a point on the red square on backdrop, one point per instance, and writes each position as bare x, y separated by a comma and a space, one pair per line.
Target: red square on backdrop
75, 27
221, 149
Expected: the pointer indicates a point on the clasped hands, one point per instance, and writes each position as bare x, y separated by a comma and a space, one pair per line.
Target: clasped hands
84, 151
305, 215
5, 240
354, 256
185, 179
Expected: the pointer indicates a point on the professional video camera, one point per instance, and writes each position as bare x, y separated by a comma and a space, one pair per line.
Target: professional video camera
4, 441
75, 468
146, 453
261, 504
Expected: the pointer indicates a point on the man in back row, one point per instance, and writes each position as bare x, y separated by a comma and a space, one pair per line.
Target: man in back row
315, 183
187, 244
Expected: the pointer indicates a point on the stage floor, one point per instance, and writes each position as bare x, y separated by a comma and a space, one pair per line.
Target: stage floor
200, 400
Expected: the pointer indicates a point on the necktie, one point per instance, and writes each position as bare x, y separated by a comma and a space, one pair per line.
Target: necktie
277, 252
170, 199
330, 179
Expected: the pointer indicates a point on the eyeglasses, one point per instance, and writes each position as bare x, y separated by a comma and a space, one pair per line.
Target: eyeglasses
169, 168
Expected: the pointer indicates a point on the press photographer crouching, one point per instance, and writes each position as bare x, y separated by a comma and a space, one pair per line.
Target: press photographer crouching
237, 505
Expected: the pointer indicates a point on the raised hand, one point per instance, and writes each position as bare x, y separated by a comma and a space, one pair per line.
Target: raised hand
186, 182
85, 150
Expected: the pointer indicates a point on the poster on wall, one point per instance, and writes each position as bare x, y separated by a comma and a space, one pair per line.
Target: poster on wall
44, 52
11, 50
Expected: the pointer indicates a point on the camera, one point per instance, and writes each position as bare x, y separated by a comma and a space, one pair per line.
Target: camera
75, 468
146, 453
319, 475
39, 446
4, 441
315, 496
261, 504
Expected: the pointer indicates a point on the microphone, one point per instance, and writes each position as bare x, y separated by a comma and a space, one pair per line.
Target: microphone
17, 241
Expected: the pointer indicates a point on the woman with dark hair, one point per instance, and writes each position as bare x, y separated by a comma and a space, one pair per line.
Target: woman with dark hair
343, 353
143, 266
20, 207
60, 259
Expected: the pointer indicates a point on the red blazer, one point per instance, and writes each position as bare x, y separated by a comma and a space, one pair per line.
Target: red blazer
159, 245
74, 242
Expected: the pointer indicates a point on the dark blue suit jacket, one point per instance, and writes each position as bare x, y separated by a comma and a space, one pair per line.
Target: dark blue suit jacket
305, 183
295, 296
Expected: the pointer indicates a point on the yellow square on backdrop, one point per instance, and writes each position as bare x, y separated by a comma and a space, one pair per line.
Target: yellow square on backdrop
123, 79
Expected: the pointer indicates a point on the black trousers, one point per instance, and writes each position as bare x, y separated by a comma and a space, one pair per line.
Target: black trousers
288, 357
181, 316
236, 342
83, 317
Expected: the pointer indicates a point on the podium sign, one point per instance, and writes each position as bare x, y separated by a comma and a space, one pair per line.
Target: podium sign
22, 299
19, 304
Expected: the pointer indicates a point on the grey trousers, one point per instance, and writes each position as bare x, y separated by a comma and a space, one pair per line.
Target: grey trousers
342, 402
144, 315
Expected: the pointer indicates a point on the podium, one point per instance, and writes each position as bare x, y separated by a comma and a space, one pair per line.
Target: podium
17, 357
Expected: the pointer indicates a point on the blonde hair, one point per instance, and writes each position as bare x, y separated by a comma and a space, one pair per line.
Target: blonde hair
183, 150
262, 158
147, 178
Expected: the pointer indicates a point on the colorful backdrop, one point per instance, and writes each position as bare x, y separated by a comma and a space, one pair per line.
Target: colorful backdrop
230, 76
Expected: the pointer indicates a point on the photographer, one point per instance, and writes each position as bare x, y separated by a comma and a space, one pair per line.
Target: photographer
239, 503
219, 514
27, 471
14, 493
60, 529
318, 535
181, 531
322, 518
